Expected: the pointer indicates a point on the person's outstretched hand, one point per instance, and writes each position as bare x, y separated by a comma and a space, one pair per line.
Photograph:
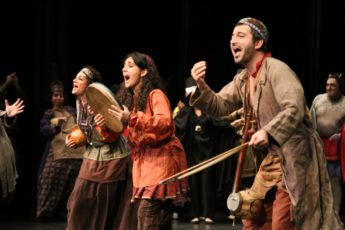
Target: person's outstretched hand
12, 77
14, 109
198, 73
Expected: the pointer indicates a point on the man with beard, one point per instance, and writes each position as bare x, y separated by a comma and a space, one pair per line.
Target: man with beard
328, 110
291, 189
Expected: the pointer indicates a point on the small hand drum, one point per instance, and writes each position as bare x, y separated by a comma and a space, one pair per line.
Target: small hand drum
77, 135
100, 98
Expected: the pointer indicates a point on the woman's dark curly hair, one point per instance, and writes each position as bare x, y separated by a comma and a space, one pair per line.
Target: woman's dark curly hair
150, 82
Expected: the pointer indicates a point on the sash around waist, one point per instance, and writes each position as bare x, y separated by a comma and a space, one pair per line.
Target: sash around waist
107, 151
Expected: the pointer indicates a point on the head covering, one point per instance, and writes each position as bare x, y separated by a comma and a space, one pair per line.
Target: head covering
91, 73
56, 87
257, 26
190, 85
339, 78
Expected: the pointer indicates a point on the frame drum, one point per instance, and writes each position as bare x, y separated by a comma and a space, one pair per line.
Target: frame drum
100, 98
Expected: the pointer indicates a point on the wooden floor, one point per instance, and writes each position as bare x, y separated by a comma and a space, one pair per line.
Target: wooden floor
177, 225
10, 221
14, 218
14, 224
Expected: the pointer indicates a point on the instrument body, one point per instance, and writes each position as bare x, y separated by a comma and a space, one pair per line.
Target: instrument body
244, 204
77, 135
100, 98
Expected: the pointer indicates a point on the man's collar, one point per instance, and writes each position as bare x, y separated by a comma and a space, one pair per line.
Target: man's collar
259, 63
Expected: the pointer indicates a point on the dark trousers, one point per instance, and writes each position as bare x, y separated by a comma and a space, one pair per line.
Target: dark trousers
154, 215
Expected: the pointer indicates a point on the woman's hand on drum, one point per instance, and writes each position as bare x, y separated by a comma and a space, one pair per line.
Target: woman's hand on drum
122, 115
99, 120
75, 137
90, 110
70, 143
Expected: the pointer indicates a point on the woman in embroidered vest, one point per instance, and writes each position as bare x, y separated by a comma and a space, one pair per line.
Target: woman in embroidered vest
100, 198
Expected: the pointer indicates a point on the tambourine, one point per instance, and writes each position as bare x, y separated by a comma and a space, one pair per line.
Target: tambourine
100, 98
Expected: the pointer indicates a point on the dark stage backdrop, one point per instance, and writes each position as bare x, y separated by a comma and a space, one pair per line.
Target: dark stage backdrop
47, 40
